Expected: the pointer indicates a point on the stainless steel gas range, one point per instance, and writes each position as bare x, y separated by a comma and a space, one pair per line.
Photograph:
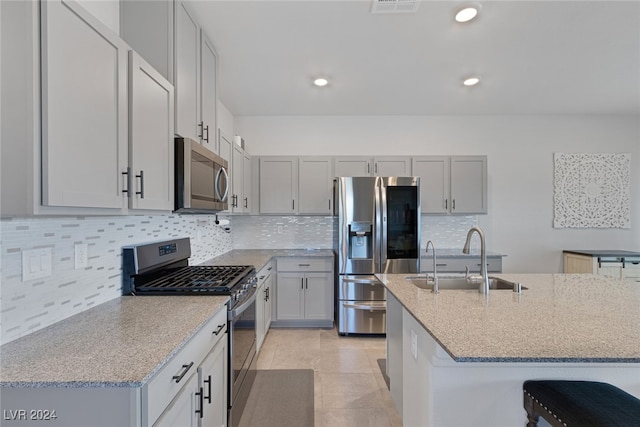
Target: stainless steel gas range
162, 268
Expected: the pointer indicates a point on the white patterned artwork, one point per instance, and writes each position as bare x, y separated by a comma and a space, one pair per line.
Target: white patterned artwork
592, 190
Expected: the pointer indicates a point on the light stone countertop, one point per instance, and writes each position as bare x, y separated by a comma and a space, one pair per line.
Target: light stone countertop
560, 318
259, 257
121, 343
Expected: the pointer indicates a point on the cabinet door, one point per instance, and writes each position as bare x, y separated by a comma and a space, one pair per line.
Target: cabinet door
352, 166
187, 73
261, 301
84, 150
150, 137
318, 295
182, 410
468, 184
392, 166
576, 263
278, 185
147, 26
315, 185
213, 380
208, 93
290, 304
237, 175
246, 182
434, 183
268, 307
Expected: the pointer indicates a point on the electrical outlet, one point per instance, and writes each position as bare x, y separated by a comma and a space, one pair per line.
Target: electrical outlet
36, 264
81, 256
414, 345
279, 228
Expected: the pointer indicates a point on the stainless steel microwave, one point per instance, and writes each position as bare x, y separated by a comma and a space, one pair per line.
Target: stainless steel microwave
201, 180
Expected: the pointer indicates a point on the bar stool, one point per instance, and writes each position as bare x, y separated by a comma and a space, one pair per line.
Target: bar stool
579, 404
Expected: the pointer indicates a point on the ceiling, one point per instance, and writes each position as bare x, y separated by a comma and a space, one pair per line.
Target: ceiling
533, 57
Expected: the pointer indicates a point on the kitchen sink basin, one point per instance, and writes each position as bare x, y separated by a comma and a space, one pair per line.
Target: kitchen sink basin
495, 283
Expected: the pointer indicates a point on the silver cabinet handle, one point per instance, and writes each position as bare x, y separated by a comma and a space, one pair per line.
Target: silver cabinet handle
141, 192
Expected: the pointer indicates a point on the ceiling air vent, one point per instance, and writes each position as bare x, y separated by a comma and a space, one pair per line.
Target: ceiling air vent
394, 6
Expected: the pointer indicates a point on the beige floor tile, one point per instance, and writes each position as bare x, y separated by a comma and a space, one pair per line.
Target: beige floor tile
349, 388
353, 418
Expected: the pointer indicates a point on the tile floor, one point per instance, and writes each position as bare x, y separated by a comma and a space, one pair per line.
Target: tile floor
350, 390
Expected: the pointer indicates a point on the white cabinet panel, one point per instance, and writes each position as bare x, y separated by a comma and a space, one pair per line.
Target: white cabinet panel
352, 166
84, 109
452, 184
290, 299
278, 185
392, 166
151, 149
187, 73
315, 185
208, 92
182, 410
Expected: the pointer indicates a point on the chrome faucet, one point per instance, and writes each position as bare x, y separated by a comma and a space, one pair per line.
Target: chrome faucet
435, 289
484, 286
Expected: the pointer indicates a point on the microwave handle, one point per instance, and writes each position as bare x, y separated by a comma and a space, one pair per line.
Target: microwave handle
226, 190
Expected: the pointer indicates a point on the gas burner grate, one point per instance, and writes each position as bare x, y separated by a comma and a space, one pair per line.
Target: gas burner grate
212, 279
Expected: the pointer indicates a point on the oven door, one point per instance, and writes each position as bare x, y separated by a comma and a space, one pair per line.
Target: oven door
242, 352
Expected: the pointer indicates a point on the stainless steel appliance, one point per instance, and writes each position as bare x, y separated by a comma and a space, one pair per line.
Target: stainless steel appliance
201, 178
162, 268
378, 232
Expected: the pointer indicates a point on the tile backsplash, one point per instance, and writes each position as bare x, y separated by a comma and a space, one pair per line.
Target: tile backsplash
28, 306
302, 232
31, 305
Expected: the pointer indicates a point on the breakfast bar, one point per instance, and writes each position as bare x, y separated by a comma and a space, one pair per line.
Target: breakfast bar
459, 357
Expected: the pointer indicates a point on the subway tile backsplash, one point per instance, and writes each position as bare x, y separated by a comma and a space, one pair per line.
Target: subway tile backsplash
28, 306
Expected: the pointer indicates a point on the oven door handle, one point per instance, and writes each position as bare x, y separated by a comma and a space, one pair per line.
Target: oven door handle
376, 307
246, 304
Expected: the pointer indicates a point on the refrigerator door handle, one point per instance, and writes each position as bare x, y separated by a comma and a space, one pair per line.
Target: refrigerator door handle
362, 281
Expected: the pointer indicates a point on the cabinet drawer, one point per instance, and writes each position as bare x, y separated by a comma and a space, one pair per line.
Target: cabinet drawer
457, 265
631, 271
167, 383
305, 264
264, 273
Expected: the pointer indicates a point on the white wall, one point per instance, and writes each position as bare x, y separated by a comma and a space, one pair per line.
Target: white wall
520, 154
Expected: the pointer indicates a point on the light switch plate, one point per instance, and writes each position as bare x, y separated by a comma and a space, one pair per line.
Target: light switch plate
36, 264
81, 256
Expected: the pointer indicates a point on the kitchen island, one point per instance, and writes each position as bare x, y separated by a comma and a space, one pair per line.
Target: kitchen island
459, 358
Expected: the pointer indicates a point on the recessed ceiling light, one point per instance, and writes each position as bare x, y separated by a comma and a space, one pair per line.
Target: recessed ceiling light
471, 81
467, 13
320, 82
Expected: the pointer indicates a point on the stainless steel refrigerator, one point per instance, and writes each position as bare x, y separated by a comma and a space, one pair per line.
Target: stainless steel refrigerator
378, 232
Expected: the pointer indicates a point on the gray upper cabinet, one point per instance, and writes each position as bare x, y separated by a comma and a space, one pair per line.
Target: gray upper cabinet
246, 183
84, 149
434, 183
187, 73
150, 137
452, 184
376, 166
315, 185
208, 94
147, 26
278, 181
352, 166
468, 184
392, 166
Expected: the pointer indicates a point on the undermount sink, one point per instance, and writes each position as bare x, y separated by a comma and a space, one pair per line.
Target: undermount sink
495, 283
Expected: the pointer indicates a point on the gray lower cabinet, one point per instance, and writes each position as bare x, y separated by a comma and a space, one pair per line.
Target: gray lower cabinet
446, 264
189, 390
264, 303
304, 294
